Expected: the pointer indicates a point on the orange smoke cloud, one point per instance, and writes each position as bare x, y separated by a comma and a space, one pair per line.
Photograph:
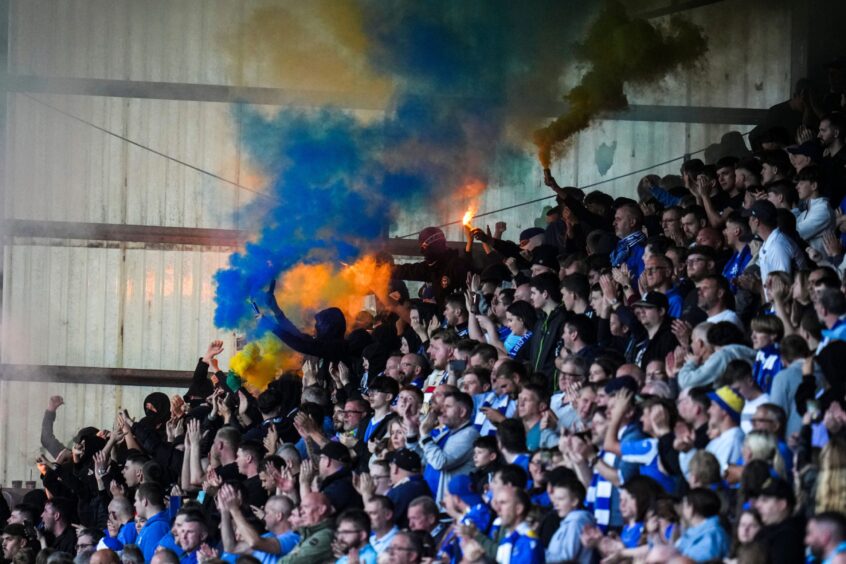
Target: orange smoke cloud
315, 46
308, 288
302, 291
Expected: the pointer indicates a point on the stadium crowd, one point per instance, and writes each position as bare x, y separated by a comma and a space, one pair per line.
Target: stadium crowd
646, 380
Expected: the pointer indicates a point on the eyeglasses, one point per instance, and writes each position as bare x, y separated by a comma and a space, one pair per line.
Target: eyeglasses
570, 375
392, 549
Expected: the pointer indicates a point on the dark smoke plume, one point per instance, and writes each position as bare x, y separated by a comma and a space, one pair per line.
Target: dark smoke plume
620, 50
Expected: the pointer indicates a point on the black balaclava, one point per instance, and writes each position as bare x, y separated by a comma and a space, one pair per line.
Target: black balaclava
432, 243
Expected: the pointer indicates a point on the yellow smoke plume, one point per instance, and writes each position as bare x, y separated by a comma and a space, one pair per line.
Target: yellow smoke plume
261, 361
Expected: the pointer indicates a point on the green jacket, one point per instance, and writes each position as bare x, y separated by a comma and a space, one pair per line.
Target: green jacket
315, 546
490, 544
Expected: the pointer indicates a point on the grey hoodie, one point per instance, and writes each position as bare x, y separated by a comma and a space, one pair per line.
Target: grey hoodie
692, 374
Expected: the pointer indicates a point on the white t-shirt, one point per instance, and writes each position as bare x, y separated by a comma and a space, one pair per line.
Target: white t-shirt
727, 315
778, 253
749, 409
727, 447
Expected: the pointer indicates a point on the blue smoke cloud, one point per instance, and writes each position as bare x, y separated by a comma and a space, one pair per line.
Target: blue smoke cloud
466, 74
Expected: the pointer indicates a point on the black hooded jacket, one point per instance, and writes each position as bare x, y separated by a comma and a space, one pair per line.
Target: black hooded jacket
328, 343
446, 271
75, 480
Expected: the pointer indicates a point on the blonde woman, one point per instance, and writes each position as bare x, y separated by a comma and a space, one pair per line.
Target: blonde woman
831, 482
761, 445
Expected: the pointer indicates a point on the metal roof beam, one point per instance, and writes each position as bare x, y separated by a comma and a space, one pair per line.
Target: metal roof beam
352, 100
25, 231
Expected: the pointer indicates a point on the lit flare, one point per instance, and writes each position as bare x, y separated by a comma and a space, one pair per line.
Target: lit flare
468, 217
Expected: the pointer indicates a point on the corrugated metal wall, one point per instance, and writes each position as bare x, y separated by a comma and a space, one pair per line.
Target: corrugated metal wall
91, 306
87, 303
22, 407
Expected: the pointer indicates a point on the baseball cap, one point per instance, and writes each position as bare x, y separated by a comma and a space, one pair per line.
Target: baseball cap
621, 383
527, 234
809, 149
406, 459
545, 255
462, 486
336, 451
729, 400
384, 384
779, 489
763, 210
652, 299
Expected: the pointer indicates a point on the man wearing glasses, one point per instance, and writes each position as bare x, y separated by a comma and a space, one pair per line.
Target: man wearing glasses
355, 411
659, 278
86, 541
701, 263
351, 544
406, 548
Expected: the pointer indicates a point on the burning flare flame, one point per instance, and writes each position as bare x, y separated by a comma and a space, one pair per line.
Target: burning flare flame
468, 216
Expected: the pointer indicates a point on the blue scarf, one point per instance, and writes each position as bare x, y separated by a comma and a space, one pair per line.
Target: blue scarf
621, 252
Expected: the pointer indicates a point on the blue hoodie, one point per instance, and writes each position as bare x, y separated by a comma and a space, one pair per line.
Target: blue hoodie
706, 541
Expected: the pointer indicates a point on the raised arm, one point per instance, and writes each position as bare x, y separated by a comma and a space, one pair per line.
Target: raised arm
48, 439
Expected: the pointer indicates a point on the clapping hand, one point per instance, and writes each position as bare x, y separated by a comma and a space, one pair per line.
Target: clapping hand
243, 404
271, 441
682, 330
434, 325
511, 264
590, 536
101, 464
549, 420
364, 485
192, 436
621, 275
310, 368
116, 489
213, 478
206, 553
177, 406
215, 348
833, 246
621, 404
307, 473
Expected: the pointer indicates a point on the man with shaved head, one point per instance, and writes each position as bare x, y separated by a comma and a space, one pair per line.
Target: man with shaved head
316, 531
121, 525
105, 556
